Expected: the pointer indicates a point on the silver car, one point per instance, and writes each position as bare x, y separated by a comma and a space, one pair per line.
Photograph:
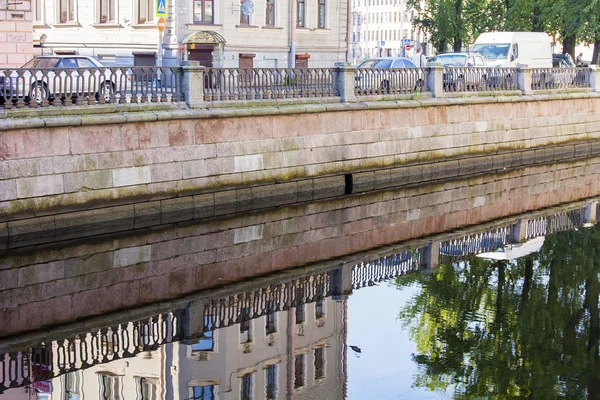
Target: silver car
46, 77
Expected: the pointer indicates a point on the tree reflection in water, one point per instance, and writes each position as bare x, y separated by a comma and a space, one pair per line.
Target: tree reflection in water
527, 328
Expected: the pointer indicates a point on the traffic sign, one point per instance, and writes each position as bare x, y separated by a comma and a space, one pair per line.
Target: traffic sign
161, 8
161, 24
408, 47
42, 386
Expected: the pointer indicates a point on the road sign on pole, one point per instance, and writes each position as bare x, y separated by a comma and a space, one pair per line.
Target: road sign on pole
161, 8
161, 24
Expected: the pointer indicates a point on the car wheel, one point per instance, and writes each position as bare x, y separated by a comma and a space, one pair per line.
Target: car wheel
106, 91
38, 92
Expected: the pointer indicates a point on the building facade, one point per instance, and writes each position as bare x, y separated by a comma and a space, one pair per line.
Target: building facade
384, 28
218, 33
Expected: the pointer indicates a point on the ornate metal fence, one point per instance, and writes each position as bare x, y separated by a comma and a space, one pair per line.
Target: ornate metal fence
560, 78
479, 79
267, 83
562, 221
387, 267
393, 81
49, 87
276, 297
476, 243
49, 360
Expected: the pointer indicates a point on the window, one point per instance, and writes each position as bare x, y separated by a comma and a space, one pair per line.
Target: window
319, 363
206, 342
204, 393
515, 52
300, 10
36, 7
107, 11
147, 389
203, 11
72, 385
271, 326
244, 19
299, 371
110, 387
319, 309
145, 11
321, 14
300, 318
270, 20
66, 11
245, 334
271, 382
246, 387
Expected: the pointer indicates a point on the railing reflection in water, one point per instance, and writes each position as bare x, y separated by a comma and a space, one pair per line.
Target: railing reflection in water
49, 360
558, 222
387, 267
476, 243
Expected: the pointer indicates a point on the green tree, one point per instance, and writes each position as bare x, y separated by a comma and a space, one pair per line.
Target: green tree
528, 328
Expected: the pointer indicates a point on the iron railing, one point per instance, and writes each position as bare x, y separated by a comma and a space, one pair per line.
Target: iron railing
48, 87
267, 83
385, 268
560, 78
558, 222
245, 306
477, 243
49, 360
479, 79
393, 81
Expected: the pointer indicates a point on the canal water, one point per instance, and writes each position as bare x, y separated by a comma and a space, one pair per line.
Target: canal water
508, 308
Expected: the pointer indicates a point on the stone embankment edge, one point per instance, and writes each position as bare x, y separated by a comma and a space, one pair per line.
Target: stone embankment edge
115, 114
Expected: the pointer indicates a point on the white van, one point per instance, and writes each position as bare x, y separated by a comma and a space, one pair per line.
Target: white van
507, 49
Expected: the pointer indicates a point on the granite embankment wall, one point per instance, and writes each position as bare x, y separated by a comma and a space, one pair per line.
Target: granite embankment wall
90, 174
62, 283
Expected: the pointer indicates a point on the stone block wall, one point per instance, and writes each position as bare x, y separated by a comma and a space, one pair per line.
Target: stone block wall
183, 165
130, 270
16, 38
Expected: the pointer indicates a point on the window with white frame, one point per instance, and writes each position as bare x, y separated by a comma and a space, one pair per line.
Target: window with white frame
145, 11
36, 9
66, 11
322, 14
246, 387
271, 382
107, 11
203, 11
204, 392
110, 387
147, 389
270, 13
301, 13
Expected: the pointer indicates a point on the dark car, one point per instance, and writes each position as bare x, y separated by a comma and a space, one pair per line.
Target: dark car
562, 61
371, 75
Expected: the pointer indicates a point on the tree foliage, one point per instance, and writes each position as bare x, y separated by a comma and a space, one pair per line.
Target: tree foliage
452, 24
522, 329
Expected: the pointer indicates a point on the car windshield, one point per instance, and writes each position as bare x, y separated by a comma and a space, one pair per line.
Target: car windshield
491, 51
376, 64
452, 60
45, 62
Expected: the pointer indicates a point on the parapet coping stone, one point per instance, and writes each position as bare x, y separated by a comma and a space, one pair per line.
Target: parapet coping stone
126, 113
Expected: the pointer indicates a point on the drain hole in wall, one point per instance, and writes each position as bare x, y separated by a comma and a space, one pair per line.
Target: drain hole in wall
348, 184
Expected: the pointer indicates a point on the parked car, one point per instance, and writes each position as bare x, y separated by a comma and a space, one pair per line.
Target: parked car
371, 75
563, 61
507, 49
51, 76
456, 72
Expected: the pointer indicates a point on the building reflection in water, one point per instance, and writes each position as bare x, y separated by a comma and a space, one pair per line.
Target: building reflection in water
271, 342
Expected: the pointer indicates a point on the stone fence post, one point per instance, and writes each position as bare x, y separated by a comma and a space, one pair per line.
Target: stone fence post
518, 233
192, 83
435, 79
524, 79
431, 256
589, 215
595, 78
341, 280
344, 81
